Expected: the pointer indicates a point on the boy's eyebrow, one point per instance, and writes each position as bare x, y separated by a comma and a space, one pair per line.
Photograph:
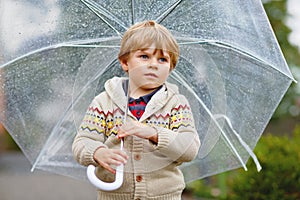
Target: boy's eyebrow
164, 53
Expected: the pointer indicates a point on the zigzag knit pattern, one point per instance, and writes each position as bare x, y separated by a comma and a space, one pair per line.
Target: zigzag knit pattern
102, 122
108, 122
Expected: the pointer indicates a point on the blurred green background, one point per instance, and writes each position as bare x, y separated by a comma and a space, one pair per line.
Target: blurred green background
278, 150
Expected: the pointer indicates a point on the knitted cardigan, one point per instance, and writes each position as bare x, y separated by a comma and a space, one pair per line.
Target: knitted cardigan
151, 171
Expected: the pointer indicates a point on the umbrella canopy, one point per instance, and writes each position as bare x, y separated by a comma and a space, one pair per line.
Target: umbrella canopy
56, 55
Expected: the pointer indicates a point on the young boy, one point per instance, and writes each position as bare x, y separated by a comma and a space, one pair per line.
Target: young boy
159, 132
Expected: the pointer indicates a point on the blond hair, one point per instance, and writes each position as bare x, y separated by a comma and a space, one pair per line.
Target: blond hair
142, 35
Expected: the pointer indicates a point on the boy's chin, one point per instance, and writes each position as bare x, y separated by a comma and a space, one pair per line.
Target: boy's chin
150, 86
146, 84
143, 90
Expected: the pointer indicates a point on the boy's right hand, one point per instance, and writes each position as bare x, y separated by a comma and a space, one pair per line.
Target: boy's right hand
107, 157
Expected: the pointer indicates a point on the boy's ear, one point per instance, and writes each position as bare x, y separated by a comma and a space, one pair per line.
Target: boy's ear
124, 65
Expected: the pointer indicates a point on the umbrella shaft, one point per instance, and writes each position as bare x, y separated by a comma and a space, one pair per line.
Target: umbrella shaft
122, 144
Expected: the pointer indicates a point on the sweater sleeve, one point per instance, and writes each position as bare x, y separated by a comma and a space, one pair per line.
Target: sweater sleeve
90, 136
181, 141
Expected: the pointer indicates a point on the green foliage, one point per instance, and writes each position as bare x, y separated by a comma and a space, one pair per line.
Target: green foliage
6, 142
214, 187
280, 176
200, 188
277, 14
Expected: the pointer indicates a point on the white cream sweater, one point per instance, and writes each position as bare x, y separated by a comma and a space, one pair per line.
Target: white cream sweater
152, 169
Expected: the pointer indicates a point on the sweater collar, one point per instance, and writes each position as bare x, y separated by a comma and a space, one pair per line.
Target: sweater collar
116, 92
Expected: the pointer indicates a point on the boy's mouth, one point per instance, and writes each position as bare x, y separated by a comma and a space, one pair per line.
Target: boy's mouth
151, 75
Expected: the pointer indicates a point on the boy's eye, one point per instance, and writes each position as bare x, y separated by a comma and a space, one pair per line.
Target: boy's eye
143, 56
163, 60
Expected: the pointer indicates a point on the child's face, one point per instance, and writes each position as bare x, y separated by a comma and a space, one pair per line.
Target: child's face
147, 68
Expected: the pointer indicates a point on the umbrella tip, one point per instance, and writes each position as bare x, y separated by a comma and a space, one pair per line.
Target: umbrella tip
33, 168
259, 168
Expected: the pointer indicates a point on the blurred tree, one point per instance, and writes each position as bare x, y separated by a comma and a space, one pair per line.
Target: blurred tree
280, 178
278, 14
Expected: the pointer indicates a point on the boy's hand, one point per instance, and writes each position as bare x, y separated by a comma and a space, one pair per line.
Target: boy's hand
138, 129
107, 157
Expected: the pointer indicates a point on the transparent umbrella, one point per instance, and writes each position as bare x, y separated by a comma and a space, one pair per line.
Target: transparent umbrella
56, 55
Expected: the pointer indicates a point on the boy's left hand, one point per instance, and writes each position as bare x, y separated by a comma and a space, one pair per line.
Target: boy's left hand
138, 129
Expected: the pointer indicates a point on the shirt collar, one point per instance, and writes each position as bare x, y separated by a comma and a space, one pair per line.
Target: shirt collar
146, 98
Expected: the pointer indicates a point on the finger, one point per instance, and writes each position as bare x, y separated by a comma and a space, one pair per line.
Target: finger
122, 134
117, 160
108, 167
121, 156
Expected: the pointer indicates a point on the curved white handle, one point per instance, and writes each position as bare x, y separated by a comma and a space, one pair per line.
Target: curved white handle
104, 185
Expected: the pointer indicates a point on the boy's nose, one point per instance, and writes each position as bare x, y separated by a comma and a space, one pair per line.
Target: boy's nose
153, 63
153, 66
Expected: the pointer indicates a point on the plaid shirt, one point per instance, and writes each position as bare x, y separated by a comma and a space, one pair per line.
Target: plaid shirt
137, 106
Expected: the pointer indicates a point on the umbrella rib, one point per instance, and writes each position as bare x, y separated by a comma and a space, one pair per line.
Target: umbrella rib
90, 45
244, 144
132, 12
99, 11
28, 54
40, 155
212, 117
74, 101
79, 43
92, 79
228, 46
163, 16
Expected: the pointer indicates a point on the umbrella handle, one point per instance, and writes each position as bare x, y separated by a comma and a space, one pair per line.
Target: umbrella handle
104, 185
